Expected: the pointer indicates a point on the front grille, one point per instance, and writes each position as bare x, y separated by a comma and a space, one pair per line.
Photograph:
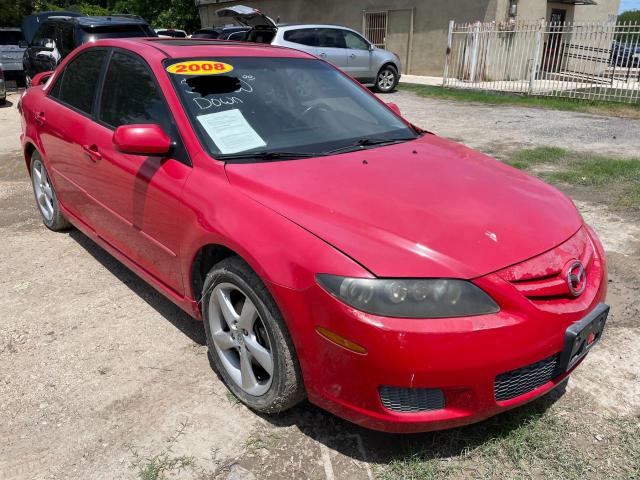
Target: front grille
517, 382
410, 400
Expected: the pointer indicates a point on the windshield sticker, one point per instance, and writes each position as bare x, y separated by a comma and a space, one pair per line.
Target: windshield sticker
199, 67
230, 131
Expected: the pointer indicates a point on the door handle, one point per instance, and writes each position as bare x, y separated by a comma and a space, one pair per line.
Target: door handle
353, 55
323, 55
39, 118
92, 152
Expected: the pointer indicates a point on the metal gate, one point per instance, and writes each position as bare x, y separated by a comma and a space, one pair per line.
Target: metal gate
375, 27
589, 61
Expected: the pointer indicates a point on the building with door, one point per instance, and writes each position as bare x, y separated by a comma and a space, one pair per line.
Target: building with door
416, 30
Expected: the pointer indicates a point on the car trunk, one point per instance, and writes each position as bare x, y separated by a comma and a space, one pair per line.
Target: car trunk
263, 28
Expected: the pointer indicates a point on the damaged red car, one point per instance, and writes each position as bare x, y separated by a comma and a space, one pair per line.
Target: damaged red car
334, 251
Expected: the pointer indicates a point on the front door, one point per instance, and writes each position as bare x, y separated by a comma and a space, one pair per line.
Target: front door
553, 49
358, 56
140, 194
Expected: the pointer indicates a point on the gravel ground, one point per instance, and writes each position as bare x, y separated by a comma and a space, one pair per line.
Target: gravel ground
500, 129
98, 371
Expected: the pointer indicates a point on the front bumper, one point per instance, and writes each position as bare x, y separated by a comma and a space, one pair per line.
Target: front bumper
461, 357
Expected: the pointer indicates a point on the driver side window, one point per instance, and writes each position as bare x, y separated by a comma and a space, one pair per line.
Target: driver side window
354, 41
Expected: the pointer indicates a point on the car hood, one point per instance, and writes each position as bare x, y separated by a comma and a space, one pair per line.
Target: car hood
425, 208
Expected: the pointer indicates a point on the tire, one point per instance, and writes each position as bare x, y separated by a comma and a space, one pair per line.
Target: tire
46, 197
387, 79
240, 335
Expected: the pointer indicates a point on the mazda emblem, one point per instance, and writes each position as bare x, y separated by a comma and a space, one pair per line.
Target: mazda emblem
576, 278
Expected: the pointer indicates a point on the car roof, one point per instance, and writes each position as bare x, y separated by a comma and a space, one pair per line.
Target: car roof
100, 20
159, 48
313, 25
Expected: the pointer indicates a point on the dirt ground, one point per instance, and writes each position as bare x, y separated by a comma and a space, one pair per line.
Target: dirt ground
102, 378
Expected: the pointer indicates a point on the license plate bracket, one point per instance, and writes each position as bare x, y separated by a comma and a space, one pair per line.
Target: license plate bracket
580, 337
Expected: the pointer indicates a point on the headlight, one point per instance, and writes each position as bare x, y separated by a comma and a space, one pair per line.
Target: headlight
410, 298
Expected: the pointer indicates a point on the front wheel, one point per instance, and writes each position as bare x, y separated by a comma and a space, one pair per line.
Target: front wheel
387, 79
249, 344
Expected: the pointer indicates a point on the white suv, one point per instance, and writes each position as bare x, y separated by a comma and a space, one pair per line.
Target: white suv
342, 46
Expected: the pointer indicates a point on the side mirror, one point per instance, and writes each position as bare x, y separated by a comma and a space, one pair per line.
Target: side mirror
141, 139
47, 44
41, 78
395, 108
372, 47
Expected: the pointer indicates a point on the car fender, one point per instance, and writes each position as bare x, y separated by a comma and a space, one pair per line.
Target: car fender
278, 250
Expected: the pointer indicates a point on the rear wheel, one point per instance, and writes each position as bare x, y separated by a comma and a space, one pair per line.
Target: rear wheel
46, 197
248, 342
387, 79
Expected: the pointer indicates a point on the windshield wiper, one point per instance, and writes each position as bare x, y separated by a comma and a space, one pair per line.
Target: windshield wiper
266, 156
362, 143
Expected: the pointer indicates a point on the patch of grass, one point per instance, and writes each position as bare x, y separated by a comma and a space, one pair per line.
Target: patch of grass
552, 103
524, 159
525, 443
163, 464
232, 399
619, 177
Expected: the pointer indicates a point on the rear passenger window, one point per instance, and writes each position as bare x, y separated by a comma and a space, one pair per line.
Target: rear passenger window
79, 80
130, 95
304, 36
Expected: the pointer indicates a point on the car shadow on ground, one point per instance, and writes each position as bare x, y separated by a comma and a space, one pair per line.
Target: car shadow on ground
383, 448
7, 104
337, 434
178, 318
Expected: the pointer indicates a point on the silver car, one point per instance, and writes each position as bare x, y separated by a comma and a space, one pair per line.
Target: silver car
342, 46
12, 47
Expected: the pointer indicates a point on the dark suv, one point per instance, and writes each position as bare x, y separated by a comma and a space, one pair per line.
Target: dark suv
57, 36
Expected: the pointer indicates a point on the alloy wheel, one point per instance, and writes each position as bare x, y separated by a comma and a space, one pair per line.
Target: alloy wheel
42, 189
241, 339
386, 80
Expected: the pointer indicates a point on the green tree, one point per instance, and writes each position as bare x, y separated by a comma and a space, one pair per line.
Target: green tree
629, 16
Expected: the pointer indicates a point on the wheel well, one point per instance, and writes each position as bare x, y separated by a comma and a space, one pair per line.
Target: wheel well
389, 64
204, 261
28, 152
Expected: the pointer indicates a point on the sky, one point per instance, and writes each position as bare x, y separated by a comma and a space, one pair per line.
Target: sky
629, 5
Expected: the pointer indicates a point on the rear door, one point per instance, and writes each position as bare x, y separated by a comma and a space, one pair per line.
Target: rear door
358, 56
67, 129
139, 194
305, 39
331, 46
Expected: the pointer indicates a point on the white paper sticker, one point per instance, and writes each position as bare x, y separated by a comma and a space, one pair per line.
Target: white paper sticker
230, 131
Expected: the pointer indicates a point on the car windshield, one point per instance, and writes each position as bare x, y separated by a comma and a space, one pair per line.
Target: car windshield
91, 34
10, 37
284, 106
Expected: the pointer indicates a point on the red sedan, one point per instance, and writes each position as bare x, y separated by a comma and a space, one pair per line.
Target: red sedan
333, 250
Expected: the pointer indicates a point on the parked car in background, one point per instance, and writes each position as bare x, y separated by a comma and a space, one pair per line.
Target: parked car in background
171, 32
3, 88
342, 46
333, 249
222, 33
57, 36
31, 23
12, 47
624, 55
